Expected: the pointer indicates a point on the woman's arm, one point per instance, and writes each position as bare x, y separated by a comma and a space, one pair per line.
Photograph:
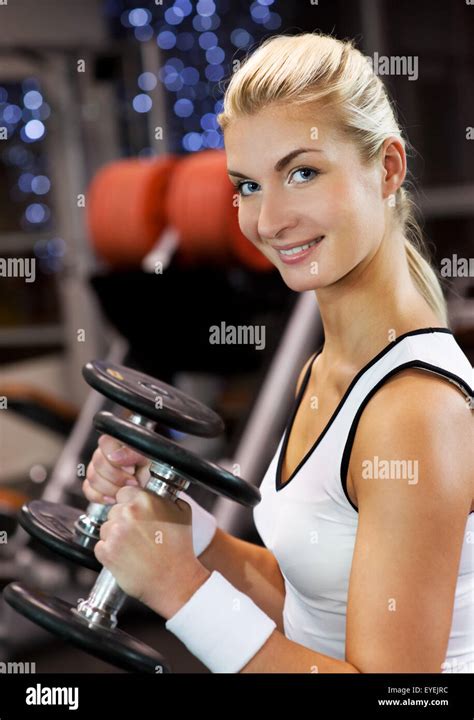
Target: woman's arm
251, 569
409, 540
409, 537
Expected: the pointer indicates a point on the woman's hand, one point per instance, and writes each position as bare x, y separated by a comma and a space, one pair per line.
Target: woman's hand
147, 544
113, 465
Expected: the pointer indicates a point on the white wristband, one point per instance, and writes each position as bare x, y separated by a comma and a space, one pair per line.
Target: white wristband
204, 524
221, 626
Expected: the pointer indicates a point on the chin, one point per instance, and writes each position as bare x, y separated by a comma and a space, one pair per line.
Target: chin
300, 282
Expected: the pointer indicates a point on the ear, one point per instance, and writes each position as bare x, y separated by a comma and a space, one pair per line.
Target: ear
394, 162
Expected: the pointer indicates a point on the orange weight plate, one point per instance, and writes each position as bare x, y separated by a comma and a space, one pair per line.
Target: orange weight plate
197, 207
126, 207
12, 499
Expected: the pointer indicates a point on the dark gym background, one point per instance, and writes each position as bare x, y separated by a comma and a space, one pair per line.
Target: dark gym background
147, 65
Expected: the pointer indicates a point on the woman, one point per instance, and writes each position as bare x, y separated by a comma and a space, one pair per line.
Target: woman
366, 508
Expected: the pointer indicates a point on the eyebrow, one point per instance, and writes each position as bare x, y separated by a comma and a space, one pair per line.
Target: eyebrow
281, 164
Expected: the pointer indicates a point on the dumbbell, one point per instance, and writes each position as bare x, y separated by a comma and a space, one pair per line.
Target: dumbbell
73, 533
92, 624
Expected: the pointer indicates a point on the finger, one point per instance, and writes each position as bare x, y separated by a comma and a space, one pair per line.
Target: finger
104, 528
94, 496
119, 454
113, 474
115, 513
100, 484
100, 552
143, 475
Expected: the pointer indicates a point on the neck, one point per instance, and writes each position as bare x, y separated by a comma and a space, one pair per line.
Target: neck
371, 306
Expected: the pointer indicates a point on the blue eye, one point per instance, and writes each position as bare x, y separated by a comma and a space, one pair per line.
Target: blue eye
241, 184
305, 169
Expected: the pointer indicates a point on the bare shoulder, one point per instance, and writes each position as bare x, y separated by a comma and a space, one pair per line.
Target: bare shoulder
425, 396
419, 415
412, 469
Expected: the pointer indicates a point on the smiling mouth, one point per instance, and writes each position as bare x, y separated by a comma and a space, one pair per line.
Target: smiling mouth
300, 248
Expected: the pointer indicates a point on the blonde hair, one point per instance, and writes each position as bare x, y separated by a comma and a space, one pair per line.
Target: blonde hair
310, 67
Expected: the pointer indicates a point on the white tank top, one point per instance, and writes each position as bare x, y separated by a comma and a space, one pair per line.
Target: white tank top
310, 524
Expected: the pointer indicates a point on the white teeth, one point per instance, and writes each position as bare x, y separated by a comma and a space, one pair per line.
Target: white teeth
300, 248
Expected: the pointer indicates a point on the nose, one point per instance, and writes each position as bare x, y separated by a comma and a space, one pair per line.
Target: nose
273, 217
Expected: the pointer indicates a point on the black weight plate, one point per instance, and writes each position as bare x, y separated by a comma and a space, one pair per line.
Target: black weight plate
139, 392
156, 447
53, 525
58, 617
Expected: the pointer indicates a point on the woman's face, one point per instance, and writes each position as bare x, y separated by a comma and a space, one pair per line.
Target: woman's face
325, 192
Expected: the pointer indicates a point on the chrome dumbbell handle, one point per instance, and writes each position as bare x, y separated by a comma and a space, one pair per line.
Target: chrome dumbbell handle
106, 597
89, 523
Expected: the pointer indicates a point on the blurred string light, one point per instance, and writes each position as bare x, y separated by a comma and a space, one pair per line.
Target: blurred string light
37, 184
40, 185
183, 108
206, 8
50, 254
37, 213
198, 45
55, 247
24, 182
142, 103
139, 17
23, 111
174, 15
190, 76
147, 81
33, 130
144, 33
166, 40
208, 40
240, 38
32, 100
12, 114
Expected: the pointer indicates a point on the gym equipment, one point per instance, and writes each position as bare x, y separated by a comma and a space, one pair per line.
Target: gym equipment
10, 503
68, 531
74, 533
153, 399
185, 466
165, 206
92, 624
39, 406
64, 620
125, 208
197, 207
